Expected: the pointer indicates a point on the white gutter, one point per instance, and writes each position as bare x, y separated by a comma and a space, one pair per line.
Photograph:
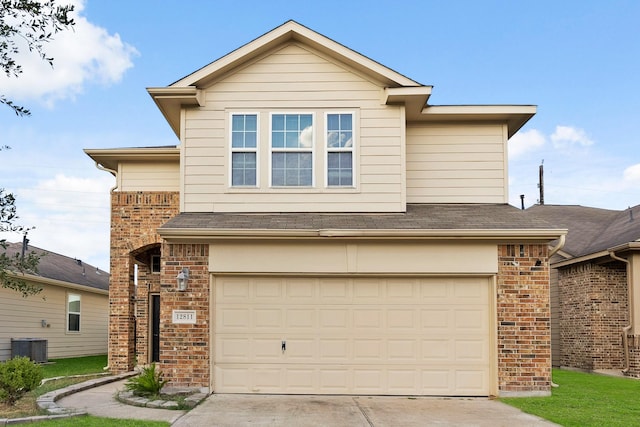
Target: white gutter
502, 234
626, 329
113, 172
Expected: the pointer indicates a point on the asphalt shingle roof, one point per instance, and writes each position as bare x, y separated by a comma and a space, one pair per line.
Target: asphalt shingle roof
417, 216
591, 230
59, 267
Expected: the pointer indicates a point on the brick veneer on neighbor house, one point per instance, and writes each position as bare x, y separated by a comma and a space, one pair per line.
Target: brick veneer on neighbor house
524, 320
594, 305
135, 217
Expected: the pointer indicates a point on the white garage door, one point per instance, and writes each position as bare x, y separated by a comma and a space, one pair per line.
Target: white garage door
393, 336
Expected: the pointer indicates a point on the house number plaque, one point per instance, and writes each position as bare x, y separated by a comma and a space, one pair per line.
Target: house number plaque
184, 316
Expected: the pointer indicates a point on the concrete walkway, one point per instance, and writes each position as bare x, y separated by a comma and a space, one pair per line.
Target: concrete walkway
350, 411
288, 410
101, 402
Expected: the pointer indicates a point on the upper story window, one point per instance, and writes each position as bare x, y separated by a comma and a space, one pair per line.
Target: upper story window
339, 140
292, 150
244, 145
73, 313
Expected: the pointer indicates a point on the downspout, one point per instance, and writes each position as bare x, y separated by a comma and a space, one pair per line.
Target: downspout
626, 329
113, 172
559, 246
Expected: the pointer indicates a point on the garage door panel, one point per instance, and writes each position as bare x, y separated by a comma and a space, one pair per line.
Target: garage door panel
416, 336
335, 350
334, 319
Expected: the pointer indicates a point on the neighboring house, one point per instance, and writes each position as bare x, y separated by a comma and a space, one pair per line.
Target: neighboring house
70, 313
596, 288
339, 234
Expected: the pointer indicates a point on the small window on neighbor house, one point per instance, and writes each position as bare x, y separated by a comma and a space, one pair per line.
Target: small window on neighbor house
73, 313
155, 263
244, 146
340, 150
292, 150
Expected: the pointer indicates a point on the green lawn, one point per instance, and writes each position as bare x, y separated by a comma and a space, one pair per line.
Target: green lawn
75, 366
98, 422
66, 368
586, 400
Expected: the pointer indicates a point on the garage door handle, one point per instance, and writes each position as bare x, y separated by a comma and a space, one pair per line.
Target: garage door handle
284, 346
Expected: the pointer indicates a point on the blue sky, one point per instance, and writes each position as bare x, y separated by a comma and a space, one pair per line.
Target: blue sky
578, 61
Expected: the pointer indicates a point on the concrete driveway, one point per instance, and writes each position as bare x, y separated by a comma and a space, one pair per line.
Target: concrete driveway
336, 411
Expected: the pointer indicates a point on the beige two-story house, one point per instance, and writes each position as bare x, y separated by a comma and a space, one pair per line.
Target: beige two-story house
320, 228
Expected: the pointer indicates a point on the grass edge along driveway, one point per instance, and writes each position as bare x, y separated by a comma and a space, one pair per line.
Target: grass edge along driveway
584, 399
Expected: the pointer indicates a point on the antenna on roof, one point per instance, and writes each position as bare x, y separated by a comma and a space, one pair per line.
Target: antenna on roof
25, 244
541, 182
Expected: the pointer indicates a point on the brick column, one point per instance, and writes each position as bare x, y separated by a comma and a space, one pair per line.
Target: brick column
135, 216
185, 348
524, 320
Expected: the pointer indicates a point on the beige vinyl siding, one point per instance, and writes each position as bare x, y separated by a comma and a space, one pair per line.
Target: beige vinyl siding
149, 176
294, 79
456, 163
22, 318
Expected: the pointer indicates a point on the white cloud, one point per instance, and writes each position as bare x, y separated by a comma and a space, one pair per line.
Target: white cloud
631, 175
567, 136
524, 142
83, 55
70, 215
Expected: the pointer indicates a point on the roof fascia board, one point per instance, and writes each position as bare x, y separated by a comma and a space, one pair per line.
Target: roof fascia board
515, 116
110, 157
291, 30
170, 100
462, 234
60, 283
630, 246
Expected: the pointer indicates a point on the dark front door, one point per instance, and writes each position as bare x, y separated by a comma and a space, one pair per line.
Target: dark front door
155, 328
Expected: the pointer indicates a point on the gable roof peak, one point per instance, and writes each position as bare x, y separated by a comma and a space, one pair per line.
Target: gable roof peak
292, 31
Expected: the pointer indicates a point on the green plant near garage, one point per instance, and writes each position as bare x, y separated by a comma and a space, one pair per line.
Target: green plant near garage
148, 383
17, 377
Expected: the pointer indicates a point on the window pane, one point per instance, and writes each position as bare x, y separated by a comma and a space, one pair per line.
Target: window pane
243, 169
333, 122
250, 139
277, 122
237, 139
306, 120
339, 130
340, 169
251, 122
237, 122
74, 322
291, 169
292, 121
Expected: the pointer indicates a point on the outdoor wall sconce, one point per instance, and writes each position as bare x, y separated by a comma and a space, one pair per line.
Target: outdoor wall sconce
183, 279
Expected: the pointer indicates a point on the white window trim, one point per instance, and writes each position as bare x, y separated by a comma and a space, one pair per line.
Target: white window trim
342, 150
243, 150
299, 150
79, 313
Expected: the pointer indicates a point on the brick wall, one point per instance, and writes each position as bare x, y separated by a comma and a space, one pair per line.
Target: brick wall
148, 283
184, 348
594, 309
135, 216
524, 320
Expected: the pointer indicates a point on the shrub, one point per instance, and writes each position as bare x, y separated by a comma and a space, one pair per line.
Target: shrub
148, 383
18, 376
